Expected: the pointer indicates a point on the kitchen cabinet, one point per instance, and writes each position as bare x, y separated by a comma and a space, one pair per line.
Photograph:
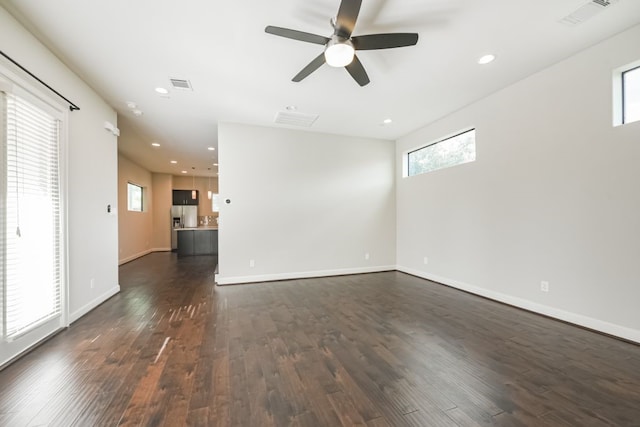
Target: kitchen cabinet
202, 242
185, 243
197, 241
183, 197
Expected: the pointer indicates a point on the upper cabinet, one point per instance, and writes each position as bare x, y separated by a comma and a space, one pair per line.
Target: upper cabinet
185, 197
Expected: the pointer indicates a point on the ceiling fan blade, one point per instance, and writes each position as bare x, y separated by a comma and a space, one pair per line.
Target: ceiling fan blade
357, 71
313, 65
296, 35
347, 16
384, 41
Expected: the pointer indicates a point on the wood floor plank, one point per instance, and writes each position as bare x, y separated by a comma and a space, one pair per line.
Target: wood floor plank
381, 349
345, 409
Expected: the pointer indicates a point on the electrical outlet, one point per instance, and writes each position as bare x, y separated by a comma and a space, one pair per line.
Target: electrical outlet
252, 263
425, 260
366, 256
544, 286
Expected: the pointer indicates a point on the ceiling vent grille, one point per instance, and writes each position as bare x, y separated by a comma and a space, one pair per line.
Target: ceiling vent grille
295, 119
181, 84
586, 12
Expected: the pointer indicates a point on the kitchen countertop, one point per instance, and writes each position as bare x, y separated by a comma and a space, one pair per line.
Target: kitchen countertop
201, 227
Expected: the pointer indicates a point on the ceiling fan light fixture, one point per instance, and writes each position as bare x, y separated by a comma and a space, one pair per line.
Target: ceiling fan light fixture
339, 52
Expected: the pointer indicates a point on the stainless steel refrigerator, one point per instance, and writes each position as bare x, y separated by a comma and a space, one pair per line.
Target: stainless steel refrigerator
182, 217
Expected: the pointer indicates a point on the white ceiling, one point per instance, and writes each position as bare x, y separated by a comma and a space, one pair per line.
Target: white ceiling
126, 48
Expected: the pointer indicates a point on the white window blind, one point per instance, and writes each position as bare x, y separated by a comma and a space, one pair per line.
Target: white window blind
30, 262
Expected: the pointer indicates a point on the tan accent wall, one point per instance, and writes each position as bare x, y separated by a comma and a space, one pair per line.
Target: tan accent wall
134, 228
202, 184
162, 187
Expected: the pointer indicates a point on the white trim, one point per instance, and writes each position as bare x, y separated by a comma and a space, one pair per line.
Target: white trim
43, 337
141, 254
93, 304
134, 256
20, 84
567, 316
232, 280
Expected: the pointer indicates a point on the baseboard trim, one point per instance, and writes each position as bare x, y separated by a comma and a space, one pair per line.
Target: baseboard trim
234, 280
141, 254
93, 304
135, 256
565, 316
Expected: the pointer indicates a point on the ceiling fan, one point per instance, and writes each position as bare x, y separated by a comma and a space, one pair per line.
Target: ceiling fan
339, 49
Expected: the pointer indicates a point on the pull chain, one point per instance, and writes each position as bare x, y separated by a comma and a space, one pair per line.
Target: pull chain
18, 233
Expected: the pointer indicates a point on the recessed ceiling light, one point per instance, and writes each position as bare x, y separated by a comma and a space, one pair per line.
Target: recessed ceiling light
173, 162
155, 144
137, 113
132, 104
387, 121
215, 164
486, 59
292, 107
162, 91
184, 171
210, 148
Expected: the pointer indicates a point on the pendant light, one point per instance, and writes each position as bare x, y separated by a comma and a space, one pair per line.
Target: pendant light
209, 188
194, 194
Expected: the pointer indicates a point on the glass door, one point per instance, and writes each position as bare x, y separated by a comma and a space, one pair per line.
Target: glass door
31, 250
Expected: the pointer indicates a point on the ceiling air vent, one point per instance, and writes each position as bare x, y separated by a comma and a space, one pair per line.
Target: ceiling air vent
295, 119
586, 12
181, 84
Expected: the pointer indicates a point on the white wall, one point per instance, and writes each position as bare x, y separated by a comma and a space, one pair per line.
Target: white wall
92, 172
303, 204
552, 196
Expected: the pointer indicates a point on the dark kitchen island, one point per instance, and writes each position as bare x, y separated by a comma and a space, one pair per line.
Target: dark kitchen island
198, 241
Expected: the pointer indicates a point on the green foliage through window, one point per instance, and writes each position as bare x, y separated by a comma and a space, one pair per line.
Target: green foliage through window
452, 151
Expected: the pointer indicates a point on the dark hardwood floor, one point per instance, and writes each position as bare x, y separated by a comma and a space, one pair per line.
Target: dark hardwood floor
384, 349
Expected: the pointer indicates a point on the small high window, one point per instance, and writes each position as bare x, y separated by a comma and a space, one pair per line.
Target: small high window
626, 94
451, 151
134, 197
631, 95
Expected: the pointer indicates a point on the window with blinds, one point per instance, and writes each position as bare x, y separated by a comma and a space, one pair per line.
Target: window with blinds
31, 250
